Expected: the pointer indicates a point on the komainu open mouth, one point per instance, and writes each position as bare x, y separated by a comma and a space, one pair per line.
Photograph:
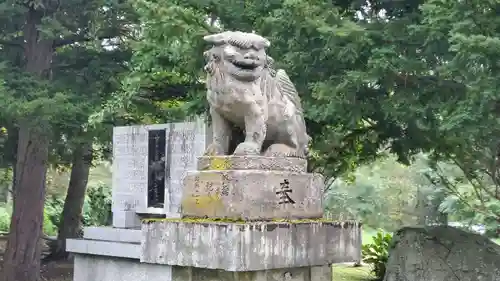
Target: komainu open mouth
246, 65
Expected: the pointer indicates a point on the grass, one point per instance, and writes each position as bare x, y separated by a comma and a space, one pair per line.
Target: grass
346, 272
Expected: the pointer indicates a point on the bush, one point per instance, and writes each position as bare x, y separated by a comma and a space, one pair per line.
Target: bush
376, 254
5, 214
48, 227
97, 208
53, 209
96, 212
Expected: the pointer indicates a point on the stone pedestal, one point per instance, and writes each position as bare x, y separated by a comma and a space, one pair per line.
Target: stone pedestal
251, 246
241, 218
250, 218
98, 268
252, 188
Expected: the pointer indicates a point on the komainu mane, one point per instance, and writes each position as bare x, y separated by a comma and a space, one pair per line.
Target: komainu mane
246, 93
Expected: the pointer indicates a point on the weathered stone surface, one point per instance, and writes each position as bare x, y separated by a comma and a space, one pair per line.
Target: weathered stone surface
245, 91
107, 233
251, 162
102, 268
126, 219
103, 248
184, 142
98, 268
252, 195
442, 254
250, 246
129, 171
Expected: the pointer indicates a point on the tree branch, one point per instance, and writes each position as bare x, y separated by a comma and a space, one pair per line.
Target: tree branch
83, 36
78, 38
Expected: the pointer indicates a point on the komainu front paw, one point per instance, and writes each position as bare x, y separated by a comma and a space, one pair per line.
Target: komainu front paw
214, 149
247, 148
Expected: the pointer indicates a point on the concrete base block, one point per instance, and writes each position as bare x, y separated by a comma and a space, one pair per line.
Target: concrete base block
104, 248
90, 268
112, 234
252, 195
126, 219
250, 246
102, 268
107, 241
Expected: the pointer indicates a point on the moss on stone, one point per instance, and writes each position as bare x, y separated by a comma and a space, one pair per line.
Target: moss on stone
235, 221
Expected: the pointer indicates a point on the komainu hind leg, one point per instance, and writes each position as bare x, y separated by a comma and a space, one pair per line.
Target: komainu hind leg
290, 146
281, 150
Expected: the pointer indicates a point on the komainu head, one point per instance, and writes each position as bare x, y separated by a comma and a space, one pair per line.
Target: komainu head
239, 54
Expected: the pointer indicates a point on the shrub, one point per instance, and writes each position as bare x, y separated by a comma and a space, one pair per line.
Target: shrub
48, 226
376, 254
5, 214
53, 209
97, 208
96, 212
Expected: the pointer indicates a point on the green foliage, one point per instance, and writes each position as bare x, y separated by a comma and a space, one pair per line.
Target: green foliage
381, 195
53, 210
466, 199
88, 59
49, 228
364, 81
97, 207
5, 214
376, 254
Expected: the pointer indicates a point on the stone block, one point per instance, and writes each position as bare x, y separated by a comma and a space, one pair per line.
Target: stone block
136, 156
186, 142
126, 219
99, 268
250, 162
249, 246
102, 268
103, 248
106, 233
129, 171
288, 274
252, 195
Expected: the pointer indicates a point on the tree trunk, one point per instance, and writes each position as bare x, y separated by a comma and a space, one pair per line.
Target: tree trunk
71, 218
22, 255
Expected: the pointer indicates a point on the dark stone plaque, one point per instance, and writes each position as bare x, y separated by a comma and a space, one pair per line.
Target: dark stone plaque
156, 168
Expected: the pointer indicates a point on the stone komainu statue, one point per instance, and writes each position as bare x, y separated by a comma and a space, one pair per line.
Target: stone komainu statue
245, 92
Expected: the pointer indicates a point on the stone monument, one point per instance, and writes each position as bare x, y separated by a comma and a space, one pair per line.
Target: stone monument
247, 209
251, 211
149, 163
